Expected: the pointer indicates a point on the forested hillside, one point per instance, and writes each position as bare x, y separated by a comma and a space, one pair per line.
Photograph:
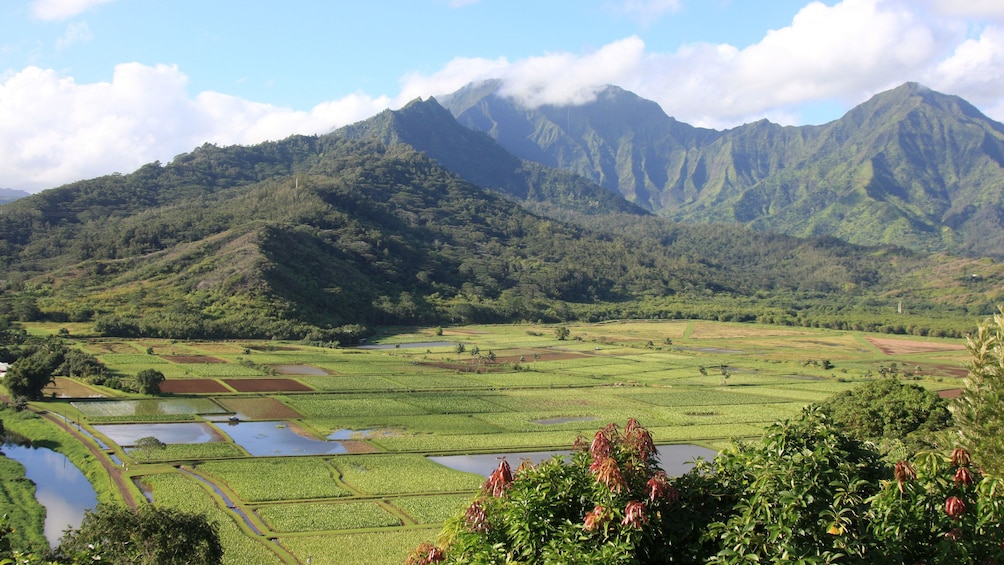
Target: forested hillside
910, 167
321, 237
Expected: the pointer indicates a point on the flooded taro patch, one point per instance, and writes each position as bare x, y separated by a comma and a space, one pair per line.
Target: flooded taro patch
148, 407
262, 439
259, 408
126, 435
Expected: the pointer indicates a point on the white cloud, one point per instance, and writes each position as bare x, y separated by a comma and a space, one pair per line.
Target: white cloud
76, 32
845, 52
970, 8
54, 130
62, 9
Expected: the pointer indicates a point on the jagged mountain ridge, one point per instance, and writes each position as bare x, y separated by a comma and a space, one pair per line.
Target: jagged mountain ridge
476, 157
311, 235
909, 167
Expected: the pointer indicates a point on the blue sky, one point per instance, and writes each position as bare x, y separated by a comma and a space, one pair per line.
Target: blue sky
89, 87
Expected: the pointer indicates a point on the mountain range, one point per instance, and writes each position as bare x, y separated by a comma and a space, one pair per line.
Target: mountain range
909, 167
410, 217
10, 195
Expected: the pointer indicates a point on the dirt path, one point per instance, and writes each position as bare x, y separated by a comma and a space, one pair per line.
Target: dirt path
113, 470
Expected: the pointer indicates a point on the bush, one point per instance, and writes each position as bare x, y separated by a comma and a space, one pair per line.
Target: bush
609, 504
804, 493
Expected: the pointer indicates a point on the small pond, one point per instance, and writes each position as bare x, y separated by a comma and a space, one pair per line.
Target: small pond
674, 459
277, 438
126, 435
59, 486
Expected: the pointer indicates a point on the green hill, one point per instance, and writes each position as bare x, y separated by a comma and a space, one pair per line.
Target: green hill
316, 237
909, 167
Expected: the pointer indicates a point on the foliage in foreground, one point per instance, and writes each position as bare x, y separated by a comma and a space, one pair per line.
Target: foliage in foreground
804, 493
979, 410
121, 536
147, 536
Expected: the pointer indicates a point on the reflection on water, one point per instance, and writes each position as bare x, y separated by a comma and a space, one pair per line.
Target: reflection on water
126, 435
674, 459
350, 434
59, 486
277, 438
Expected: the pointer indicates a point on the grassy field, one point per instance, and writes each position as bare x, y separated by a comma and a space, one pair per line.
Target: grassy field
687, 381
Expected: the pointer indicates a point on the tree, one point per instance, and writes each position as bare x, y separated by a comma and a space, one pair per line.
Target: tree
29, 375
148, 381
979, 409
898, 417
77, 363
145, 536
562, 333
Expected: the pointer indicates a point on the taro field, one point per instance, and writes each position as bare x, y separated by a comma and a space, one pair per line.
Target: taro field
318, 455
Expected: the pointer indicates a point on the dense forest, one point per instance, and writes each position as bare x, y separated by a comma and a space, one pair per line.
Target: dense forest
322, 237
910, 167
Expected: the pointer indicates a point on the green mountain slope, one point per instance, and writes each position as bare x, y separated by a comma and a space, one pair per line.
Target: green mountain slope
909, 167
313, 237
431, 129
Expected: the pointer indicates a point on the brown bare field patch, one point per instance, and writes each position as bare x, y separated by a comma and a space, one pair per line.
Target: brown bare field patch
267, 385
68, 388
513, 355
192, 359
906, 347
950, 370
950, 393
192, 386
356, 446
260, 408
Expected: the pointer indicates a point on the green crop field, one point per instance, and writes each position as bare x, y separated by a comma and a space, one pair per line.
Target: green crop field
371, 494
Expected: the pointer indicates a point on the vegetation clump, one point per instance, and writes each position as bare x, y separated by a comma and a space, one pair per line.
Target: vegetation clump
805, 492
900, 418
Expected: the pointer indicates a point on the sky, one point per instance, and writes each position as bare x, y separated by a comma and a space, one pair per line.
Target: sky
92, 87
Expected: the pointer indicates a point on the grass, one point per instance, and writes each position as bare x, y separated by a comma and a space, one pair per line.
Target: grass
310, 517
187, 451
267, 479
375, 507
397, 474
176, 491
17, 502
368, 548
432, 509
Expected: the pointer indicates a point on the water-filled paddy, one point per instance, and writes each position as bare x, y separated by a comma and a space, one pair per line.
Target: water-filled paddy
277, 438
674, 459
149, 407
126, 435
